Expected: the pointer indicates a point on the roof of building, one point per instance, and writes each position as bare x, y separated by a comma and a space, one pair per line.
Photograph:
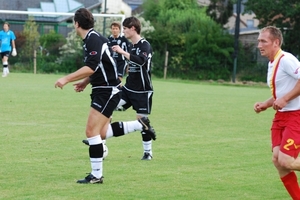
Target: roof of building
139, 2
134, 4
44, 6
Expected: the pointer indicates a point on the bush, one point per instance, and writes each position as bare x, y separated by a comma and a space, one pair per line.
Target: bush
257, 73
51, 42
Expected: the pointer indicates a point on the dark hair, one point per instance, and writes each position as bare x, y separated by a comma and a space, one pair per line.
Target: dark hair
115, 24
133, 22
6, 23
84, 18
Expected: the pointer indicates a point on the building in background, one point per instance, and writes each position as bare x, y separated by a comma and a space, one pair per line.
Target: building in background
116, 7
46, 22
134, 4
248, 23
45, 6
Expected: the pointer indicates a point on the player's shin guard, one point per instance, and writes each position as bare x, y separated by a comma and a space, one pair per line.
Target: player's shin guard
290, 182
123, 128
5, 68
96, 155
117, 128
147, 143
146, 137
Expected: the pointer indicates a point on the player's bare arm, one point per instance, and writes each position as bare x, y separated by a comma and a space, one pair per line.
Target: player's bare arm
281, 102
83, 72
262, 106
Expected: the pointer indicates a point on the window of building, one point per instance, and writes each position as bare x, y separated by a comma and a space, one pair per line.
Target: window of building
250, 23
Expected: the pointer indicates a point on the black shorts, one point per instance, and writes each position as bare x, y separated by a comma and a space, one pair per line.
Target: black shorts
121, 68
141, 102
105, 100
5, 53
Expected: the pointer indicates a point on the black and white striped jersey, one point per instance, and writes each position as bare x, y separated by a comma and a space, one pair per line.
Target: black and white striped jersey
97, 56
122, 42
139, 70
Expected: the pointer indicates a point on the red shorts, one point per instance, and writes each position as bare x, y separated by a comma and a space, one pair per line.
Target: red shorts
286, 132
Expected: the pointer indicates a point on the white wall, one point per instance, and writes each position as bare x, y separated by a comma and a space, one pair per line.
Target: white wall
117, 7
243, 19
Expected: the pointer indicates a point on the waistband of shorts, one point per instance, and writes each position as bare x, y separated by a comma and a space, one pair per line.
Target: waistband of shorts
106, 87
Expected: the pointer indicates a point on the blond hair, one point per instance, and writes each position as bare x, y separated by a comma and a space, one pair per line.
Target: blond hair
275, 33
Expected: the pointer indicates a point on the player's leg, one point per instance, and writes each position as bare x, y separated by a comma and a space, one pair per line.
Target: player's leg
7, 68
142, 103
284, 156
288, 162
287, 175
142, 123
98, 119
146, 127
5, 65
290, 143
120, 106
117, 129
96, 122
147, 137
123, 105
110, 131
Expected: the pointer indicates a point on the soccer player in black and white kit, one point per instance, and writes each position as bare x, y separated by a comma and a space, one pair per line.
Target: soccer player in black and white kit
138, 90
117, 39
101, 72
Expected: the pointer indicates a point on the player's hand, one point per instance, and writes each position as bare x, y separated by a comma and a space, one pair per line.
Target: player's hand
278, 104
79, 87
117, 48
14, 52
61, 83
259, 106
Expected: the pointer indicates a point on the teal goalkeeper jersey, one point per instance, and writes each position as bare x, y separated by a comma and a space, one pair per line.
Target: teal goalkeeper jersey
5, 40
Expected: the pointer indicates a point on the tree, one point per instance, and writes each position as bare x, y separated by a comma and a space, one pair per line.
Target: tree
220, 10
27, 40
70, 53
51, 42
31, 35
197, 45
284, 14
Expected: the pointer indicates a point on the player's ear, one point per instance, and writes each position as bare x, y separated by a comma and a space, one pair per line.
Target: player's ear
133, 28
76, 24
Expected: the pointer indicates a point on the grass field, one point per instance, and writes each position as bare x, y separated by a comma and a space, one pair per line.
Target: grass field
210, 144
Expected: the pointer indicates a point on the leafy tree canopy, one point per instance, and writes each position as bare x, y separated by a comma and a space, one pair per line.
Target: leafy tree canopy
193, 39
220, 10
284, 14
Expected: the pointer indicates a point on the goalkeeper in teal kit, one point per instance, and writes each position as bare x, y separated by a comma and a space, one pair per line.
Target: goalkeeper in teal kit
7, 46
